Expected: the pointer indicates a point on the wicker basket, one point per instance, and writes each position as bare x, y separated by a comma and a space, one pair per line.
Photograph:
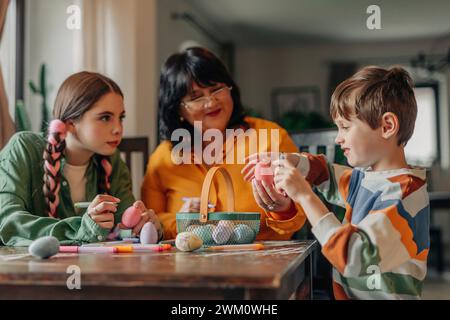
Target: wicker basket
219, 228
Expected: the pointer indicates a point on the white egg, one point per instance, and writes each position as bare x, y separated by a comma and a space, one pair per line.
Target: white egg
187, 241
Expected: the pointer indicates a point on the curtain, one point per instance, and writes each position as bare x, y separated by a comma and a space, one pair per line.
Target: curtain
6, 123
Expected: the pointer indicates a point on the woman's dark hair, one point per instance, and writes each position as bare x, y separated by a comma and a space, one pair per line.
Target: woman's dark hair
181, 70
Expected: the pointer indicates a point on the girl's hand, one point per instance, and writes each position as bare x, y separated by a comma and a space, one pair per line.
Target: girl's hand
146, 216
102, 209
268, 198
289, 179
271, 157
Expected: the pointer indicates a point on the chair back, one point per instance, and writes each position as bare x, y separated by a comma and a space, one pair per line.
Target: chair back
135, 144
317, 141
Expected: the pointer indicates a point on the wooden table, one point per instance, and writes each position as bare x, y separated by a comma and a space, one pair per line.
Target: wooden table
281, 271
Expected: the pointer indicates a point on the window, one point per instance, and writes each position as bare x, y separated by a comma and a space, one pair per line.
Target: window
8, 55
423, 148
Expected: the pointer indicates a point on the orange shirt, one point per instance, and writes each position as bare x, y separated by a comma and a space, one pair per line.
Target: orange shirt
166, 183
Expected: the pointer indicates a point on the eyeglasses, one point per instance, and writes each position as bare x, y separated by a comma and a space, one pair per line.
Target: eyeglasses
201, 102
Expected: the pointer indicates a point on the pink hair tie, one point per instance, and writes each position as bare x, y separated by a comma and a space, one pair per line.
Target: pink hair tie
57, 126
53, 169
107, 166
108, 170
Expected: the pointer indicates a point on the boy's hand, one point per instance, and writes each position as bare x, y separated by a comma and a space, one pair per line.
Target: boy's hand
101, 210
289, 179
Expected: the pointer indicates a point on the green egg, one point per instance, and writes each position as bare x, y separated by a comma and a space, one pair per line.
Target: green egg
243, 234
204, 233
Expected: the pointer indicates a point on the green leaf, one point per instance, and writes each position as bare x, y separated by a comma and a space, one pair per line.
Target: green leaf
33, 87
42, 78
21, 117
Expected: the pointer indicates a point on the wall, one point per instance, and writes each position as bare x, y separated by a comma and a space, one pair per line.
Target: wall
47, 40
173, 33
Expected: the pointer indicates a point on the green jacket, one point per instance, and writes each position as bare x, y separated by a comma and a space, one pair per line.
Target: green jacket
23, 217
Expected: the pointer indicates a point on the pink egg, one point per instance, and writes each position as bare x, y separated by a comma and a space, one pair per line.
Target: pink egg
131, 217
263, 172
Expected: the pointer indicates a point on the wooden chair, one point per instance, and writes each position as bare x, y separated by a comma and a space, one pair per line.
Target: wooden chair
135, 144
438, 200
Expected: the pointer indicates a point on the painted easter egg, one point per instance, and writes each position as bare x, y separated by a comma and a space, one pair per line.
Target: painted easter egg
223, 231
205, 233
187, 241
149, 234
263, 172
44, 247
191, 227
131, 217
243, 234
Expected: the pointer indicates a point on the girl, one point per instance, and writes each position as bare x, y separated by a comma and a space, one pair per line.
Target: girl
42, 178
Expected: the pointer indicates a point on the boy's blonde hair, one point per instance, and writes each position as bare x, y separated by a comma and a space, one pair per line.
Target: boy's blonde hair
373, 91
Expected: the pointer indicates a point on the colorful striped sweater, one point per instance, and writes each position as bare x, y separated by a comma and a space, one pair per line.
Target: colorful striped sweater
380, 249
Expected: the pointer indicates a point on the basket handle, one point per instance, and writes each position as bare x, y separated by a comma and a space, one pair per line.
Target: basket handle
207, 187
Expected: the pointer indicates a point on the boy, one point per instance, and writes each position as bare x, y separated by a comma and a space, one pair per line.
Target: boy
380, 249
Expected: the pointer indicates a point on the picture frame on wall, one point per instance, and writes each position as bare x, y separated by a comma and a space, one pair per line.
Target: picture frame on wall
304, 99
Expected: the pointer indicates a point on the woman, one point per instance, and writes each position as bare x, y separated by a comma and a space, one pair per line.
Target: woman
198, 98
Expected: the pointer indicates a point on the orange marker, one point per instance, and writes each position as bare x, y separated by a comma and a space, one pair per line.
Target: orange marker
124, 249
142, 248
252, 246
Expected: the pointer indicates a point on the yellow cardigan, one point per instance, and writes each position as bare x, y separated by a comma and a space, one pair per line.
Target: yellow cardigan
166, 183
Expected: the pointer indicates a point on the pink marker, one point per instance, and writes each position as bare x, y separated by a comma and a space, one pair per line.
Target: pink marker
148, 248
75, 249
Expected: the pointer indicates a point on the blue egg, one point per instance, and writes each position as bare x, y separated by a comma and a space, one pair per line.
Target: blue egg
243, 234
44, 247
